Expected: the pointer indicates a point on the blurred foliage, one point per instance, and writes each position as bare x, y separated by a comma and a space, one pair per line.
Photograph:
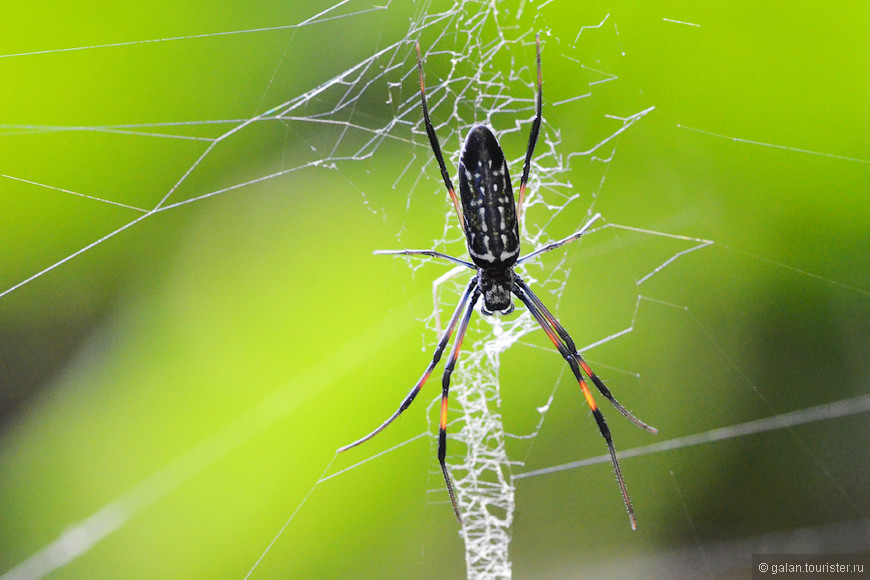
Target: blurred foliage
204, 364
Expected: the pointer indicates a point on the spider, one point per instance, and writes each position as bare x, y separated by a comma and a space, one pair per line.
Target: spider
488, 216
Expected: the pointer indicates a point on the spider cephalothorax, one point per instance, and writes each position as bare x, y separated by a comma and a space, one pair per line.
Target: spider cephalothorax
490, 217
495, 287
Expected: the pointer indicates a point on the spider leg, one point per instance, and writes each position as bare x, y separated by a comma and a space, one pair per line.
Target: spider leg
552, 246
572, 350
430, 253
533, 134
445, 389
524, 294
442, 344
433, 141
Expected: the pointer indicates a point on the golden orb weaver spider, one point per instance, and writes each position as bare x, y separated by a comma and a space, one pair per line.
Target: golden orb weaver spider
490, 219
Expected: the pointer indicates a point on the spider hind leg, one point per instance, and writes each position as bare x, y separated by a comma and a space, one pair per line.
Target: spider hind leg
442, 344
560, 338
445, 390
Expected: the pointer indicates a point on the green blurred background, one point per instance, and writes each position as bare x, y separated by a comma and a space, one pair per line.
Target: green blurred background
199, 368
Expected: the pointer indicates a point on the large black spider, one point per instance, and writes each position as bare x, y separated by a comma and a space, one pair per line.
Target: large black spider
490, 219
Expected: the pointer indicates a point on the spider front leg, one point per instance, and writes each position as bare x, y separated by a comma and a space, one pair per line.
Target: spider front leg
442, 344
433, 142
533, 133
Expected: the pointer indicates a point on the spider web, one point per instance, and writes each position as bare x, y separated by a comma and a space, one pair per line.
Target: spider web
483, 476
364, 112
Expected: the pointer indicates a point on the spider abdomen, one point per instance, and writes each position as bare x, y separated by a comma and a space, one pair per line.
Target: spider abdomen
488, 205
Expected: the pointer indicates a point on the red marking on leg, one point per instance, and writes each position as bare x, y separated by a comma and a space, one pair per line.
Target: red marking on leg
588, 395
443, 424
552, 335
520, 200
457, 206
420, 69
